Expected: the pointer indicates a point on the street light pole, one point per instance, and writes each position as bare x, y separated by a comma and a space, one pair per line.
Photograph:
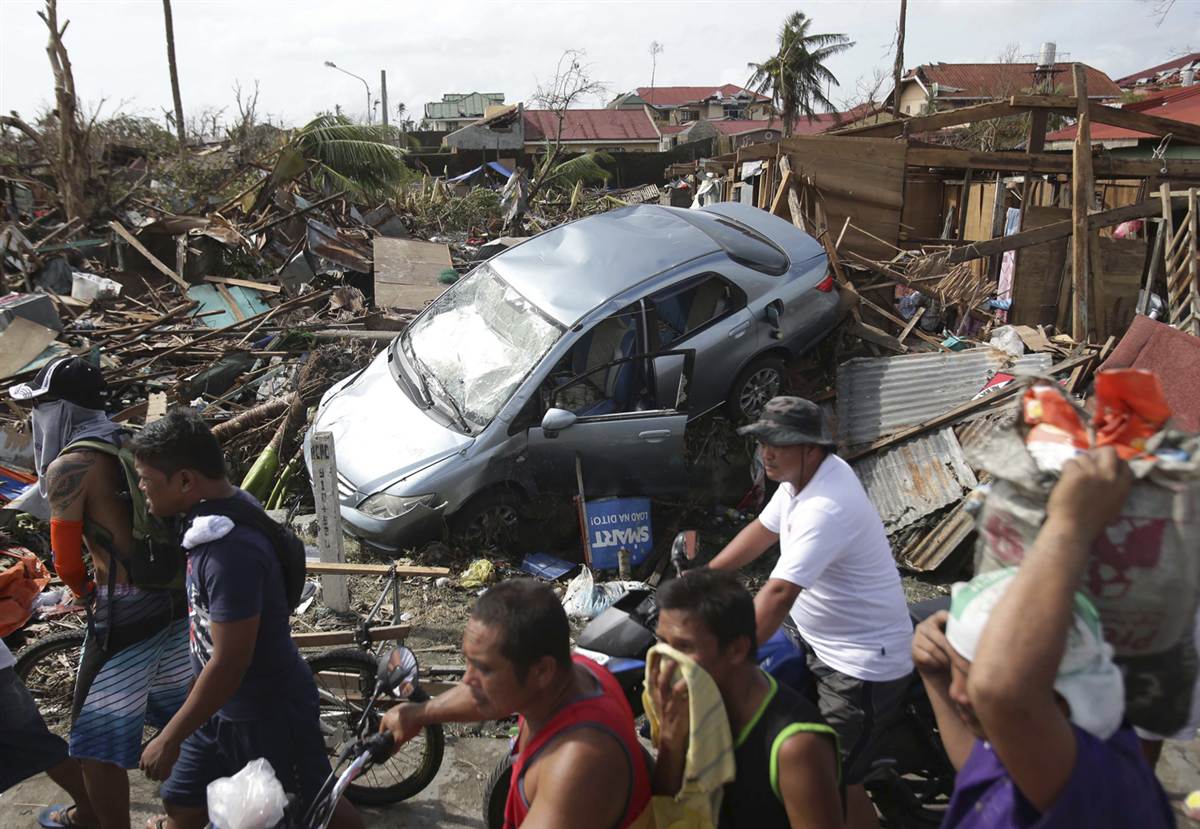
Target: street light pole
333, 65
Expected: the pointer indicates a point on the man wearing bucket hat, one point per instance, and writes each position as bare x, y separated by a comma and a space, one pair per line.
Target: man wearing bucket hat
1028, 701
835, 578
135, 666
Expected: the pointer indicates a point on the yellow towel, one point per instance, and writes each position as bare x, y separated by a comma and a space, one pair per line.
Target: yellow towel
709, 764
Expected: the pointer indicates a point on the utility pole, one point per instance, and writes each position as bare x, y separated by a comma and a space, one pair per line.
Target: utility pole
383, 93
898, 70
174, 75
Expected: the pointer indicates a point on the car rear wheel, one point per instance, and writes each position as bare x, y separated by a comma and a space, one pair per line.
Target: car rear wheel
490, 520
755, 385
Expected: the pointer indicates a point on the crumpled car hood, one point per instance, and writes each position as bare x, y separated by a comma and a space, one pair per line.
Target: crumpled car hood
380, 436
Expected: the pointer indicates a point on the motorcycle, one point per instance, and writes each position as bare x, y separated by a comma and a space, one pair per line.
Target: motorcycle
910, 781
396, 677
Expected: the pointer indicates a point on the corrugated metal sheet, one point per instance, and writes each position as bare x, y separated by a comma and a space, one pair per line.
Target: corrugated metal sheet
879, 396
916, 478
932, 549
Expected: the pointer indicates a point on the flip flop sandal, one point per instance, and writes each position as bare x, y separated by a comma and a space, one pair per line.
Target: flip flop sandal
59, 816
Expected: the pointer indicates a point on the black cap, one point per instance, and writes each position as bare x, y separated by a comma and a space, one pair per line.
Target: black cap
73, 379
789, 421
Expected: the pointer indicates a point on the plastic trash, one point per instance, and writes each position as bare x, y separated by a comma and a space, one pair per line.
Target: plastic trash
1144, 574
585, 599
87, 287
480, 573
1006, 339
251, 799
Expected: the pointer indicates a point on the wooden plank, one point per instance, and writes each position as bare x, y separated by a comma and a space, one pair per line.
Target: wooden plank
244, 283
1140, 121
407, 272
1065, 103
876, 336
781, 193
326, 638
237, 312
963, 201
938, 120
1081, 201
912, 323
352, 569
1029, 163
1194, 259
1037, 132
1058, 230
150, 257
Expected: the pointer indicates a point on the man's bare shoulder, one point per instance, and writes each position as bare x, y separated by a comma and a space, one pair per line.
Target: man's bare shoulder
69, 475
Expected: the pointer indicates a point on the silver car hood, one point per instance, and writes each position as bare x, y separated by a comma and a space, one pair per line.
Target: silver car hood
380, 436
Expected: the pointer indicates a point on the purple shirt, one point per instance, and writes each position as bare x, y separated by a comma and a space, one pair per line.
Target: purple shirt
1110, 786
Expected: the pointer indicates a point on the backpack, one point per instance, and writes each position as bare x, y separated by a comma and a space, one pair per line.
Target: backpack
156, 559
288, 546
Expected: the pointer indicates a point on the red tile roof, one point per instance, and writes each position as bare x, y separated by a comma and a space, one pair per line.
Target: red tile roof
591, 125
1179, 104
673, 96
976, 81
1153, 71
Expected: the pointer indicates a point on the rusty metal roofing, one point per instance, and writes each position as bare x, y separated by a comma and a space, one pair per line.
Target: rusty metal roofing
879, 396
916, 478
981, 81
591, 125
929, 551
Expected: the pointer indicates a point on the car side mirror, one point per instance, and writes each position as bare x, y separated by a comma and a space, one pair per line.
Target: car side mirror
555, 420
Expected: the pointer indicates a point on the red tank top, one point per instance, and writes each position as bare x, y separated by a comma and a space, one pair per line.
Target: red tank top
606, 710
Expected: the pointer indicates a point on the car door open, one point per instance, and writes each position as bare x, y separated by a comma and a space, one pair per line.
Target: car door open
624, 421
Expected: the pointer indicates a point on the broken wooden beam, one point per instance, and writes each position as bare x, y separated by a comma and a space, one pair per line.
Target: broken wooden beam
1036, 163
938, 120
1050, 232
120, 230
1082, 193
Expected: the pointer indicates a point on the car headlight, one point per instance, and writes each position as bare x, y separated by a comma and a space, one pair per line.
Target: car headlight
387, 506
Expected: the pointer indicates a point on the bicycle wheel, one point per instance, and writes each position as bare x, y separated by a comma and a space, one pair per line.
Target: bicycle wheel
345, 680
48, 668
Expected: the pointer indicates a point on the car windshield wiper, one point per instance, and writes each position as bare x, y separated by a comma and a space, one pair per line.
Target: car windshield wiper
418, 368
454, 407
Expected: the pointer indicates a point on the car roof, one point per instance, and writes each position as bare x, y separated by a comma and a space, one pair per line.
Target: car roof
572, 269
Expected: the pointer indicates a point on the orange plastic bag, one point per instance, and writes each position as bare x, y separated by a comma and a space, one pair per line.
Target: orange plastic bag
1130, 408
19, 586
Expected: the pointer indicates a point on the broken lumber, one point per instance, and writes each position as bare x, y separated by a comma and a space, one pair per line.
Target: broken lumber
1050, 232
150, 257
1031, 163
1082, 193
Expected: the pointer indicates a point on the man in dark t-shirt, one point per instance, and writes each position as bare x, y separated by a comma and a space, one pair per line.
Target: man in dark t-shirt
253, 695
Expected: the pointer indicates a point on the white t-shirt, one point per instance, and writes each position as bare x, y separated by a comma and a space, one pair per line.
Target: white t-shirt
6, 657
851, 610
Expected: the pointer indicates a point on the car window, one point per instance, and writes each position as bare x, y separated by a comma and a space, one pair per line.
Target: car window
681, 312
594, 377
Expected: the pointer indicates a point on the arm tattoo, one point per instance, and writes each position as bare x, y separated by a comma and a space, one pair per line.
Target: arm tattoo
66, 483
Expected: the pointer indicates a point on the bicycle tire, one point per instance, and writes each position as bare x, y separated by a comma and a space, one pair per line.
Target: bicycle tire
423, 752
48, 668
495, 792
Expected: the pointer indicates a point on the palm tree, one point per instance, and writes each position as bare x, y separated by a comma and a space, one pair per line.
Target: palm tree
796, 75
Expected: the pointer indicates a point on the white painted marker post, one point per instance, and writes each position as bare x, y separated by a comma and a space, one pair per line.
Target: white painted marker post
329, 519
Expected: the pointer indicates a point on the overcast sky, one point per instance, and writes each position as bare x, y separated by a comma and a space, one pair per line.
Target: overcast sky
118, 50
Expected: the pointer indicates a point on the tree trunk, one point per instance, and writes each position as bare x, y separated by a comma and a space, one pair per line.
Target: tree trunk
174, 75
72, 167
898, 69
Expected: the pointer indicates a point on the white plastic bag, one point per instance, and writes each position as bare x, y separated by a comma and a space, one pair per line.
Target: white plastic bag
585, 599
1006, 339
251, 799
87, 287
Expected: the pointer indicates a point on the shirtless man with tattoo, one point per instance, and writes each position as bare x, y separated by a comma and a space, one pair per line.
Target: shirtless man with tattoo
135, 668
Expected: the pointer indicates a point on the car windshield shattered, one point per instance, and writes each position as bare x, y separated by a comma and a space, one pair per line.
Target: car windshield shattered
475, 344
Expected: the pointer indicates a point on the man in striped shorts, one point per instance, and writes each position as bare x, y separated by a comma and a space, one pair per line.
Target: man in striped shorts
135, 669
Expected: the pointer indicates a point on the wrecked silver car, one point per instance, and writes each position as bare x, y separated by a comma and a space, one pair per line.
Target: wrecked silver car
590, 345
